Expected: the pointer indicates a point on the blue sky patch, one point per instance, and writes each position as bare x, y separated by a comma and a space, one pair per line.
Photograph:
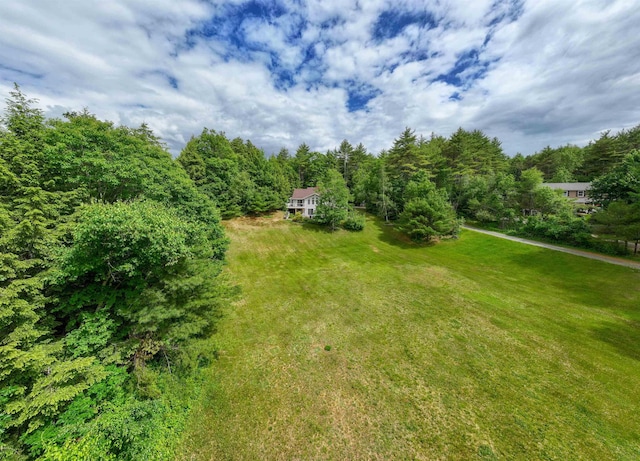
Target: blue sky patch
506, 11
331, 23
299, 24
359, 95
282, 78
173, 82
391, 23
227, 26
417, 55
468, 68
259, 9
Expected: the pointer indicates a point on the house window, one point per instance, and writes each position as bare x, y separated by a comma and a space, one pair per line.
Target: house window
300, 202
310, 211
566, 193
580, 193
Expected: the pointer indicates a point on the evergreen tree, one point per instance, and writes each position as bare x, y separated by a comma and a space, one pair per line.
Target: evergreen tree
622, 183
473, 152
517, 165
358, 157
343, 160
287, 168
222, 181
427, 212
621, 221
301, 164
404, 159
559, 164
530, 180
607, 152
36, 379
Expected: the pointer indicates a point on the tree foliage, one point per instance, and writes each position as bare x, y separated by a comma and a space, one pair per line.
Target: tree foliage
109, 255
235, 174
621, 183
557, 165
604, 154
334, 200
619, 193
621, 221
427, 212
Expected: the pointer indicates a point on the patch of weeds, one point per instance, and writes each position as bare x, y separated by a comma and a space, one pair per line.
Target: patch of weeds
486, 452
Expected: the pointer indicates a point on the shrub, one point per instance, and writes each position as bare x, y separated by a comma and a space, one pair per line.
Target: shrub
573, 231
353, 222
611, 248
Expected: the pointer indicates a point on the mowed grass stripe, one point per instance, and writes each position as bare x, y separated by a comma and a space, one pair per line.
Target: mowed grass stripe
476, 348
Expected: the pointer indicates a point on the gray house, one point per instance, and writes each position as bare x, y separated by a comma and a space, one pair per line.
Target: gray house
576, 191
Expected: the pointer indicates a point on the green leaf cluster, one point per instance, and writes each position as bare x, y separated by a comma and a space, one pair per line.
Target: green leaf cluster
109, 264
235, 175
427, 212
333, 208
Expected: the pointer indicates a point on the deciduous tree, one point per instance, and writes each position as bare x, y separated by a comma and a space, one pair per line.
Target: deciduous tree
334, 200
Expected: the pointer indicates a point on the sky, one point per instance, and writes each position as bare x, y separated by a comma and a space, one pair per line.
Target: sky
282, 72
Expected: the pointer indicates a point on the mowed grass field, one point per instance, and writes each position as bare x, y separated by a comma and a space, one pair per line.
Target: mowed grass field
349, 346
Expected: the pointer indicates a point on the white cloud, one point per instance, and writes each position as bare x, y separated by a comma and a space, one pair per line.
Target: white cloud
560, 72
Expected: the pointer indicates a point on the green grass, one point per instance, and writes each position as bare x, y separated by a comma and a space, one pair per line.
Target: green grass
603, 239
363, 346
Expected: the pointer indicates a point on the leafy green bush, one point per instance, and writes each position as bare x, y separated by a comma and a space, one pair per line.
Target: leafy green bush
298, 217
607, 247
572, 231
353, 222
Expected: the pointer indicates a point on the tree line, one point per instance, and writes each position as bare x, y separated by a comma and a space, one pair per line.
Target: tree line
427, 186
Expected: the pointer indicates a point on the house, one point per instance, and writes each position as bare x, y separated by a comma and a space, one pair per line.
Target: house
304, 201
576, 191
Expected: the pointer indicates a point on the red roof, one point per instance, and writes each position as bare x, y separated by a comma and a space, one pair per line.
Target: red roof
304, 193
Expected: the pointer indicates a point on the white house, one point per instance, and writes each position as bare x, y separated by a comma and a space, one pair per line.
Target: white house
304, 201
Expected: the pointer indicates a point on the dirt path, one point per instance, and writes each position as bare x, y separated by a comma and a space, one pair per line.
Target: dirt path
586, 254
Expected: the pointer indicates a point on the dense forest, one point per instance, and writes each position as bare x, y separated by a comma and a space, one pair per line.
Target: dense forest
111, 252
428, 186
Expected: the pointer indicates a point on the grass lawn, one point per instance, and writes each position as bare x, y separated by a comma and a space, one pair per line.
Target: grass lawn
351, 346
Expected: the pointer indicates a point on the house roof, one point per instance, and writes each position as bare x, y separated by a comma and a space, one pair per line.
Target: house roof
304, 193
568, 185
